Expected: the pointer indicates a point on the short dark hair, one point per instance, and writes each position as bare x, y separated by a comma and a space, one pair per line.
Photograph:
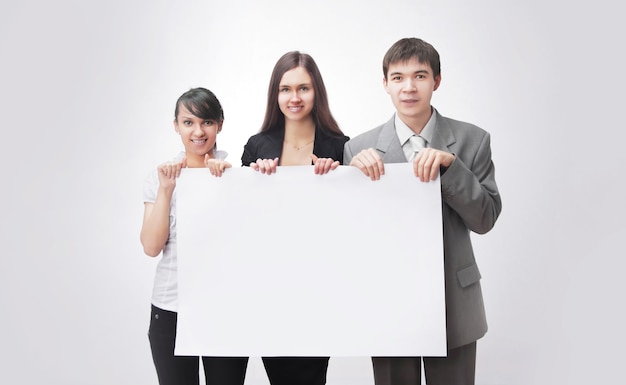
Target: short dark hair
412, 48
202, 103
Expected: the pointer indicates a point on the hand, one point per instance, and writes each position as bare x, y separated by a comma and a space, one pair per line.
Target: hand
216, 166
265, 166
169, 171
323, 165
370, 162
428, 161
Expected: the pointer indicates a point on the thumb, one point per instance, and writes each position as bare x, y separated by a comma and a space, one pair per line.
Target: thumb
314, 158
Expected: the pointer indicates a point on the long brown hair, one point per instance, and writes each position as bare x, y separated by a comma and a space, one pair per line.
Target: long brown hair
322, 117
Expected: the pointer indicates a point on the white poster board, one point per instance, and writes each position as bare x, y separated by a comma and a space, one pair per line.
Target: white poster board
298, 264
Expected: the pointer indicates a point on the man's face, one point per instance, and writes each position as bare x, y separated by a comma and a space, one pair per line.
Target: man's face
411, 85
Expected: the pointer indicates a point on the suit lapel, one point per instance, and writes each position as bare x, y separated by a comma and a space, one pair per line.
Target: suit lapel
389, 145
443, 137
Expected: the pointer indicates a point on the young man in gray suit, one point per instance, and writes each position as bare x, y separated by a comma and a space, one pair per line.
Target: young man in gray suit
460, 153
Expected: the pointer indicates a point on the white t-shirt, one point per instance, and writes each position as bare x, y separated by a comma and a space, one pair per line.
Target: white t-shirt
165, 290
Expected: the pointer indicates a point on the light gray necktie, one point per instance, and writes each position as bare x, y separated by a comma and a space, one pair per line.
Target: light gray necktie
418, 143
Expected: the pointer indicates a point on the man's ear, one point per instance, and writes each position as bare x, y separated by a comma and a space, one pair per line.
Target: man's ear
385, 84
437, 82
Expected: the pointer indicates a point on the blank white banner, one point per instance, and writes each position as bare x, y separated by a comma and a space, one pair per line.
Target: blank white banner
298, 264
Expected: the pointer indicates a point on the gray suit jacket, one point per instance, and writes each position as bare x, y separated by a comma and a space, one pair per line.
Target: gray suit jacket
471, 202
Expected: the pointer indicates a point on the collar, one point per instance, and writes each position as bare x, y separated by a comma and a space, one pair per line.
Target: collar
404, 132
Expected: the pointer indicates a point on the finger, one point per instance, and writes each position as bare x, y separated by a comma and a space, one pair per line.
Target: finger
374, 163
434, 167
223, 166
271, 165
265, 166
314, 158
316, 166
422, 170
359, 163
416, 166
320, 166
334, 165
431, 165
161, 173
327, 165
428, 164
372, 166
362, 161
260, 166
210, 164
166, 170
434, 171
379, 162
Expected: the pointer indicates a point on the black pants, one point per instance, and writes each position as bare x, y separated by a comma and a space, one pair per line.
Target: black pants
183, 370
296, 370
458, 368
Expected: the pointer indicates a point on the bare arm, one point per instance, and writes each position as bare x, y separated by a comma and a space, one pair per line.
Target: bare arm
155, 229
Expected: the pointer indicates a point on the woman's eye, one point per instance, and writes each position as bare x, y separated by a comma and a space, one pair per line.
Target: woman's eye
208, 122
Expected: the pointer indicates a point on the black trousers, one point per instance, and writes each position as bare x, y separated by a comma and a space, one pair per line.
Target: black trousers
458, 368
296, 370
183, 370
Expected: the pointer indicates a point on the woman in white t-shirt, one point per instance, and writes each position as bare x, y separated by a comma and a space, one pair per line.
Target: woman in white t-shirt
198, 118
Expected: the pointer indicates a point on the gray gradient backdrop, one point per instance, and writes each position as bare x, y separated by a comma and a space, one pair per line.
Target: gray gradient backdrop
87, 97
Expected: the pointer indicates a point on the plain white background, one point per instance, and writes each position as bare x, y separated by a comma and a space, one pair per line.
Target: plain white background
87, 93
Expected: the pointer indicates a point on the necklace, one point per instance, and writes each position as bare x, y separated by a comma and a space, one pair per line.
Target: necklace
298, 148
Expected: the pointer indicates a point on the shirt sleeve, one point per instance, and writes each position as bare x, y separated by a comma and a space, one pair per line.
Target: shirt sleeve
150, 186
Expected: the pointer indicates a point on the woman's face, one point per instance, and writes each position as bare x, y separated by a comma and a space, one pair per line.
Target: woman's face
198, 135
296, 95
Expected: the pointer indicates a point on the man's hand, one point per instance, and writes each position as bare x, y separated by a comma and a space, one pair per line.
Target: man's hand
428, 162
370, 162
